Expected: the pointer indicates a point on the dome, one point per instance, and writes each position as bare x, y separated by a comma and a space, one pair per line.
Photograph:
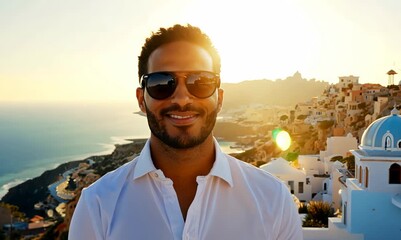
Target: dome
383, 136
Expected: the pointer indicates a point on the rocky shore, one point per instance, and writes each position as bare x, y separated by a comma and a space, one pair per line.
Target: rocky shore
26, 194
30, 192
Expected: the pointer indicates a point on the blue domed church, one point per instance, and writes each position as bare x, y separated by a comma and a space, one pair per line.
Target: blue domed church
371, 202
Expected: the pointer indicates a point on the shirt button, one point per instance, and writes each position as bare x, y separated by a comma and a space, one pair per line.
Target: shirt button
156, 175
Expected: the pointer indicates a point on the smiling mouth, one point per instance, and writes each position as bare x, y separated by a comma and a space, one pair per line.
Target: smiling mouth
181, 117
184, 119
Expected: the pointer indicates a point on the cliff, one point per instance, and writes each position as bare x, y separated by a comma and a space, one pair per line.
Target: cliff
26, 194
32, 191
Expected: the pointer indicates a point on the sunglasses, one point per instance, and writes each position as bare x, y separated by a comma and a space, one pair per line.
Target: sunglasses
161, 85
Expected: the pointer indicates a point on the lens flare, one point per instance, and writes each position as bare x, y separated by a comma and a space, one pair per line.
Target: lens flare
282, 138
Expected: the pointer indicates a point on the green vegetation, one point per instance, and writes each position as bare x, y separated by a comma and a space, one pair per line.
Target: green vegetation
336, 158
283, 118
291, 156
303, 208
318, 214
302, 117
325, 124
16, 214
52, 233
350, 161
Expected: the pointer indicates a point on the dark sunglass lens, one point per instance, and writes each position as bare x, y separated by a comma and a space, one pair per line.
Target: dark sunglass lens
160, 85
202, 85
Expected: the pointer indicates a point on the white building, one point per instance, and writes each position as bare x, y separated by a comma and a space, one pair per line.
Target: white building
315, 173
379, 105
371, 202
344, 82
319, 168
294, 178
337, 146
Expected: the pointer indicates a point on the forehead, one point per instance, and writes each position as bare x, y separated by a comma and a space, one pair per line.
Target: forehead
180, 56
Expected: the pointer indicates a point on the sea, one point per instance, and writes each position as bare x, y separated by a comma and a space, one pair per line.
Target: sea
35, 137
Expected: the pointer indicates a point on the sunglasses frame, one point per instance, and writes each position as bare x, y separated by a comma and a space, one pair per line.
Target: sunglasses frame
173, 74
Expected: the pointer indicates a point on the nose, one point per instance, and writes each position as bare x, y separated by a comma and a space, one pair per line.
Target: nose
181, 95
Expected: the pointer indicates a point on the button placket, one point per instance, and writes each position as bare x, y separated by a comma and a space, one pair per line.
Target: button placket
171, 205
191, 227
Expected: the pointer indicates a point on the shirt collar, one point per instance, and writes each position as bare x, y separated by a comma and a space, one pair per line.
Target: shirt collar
221, 167
144, 163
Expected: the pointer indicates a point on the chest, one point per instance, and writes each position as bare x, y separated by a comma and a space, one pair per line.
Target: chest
216, 212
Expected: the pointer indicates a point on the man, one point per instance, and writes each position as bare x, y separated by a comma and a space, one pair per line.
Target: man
182, 186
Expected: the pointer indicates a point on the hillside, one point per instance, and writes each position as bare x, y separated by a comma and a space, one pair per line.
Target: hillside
287, 92
26, 194
32, 191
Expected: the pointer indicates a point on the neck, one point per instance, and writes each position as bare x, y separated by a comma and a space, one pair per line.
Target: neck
182, 166
183, 163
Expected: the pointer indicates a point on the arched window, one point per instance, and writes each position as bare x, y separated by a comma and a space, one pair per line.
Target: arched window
395, 174
356, 172
388, 141
360, 174
399, 144
366, 177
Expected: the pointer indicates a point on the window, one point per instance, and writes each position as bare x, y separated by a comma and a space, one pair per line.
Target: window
366, 177
399, 144
301, 187
345, 213
387, 143
395, 174
360, 174
291, 184
356, 172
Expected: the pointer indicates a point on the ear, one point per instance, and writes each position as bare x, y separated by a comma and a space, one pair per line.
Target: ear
140, 96
220, 97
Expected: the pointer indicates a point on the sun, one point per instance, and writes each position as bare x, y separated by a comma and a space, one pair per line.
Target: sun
256, 39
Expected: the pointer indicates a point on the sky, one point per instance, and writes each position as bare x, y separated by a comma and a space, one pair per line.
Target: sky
53, 50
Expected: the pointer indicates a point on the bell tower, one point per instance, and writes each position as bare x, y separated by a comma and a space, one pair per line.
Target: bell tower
391, 74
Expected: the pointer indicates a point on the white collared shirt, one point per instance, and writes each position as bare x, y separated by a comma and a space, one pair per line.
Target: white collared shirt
234, 201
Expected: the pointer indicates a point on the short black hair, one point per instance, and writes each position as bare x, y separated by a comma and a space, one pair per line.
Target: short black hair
173, 34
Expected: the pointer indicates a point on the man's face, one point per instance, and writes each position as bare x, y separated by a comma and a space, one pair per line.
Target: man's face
182, 120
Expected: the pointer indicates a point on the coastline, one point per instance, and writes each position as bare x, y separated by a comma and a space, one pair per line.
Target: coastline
25, 195
109, 148
43, 187
30, 174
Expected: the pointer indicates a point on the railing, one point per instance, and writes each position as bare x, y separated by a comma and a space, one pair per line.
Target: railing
345, 174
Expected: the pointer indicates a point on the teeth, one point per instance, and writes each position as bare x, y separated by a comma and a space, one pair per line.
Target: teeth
181, 117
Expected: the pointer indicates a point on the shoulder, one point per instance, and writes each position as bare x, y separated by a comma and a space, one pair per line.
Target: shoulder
112, 182
250, 171
255, 177
97, 203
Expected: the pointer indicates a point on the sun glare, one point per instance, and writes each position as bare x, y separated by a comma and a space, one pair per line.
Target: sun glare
282, 139
263, 37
